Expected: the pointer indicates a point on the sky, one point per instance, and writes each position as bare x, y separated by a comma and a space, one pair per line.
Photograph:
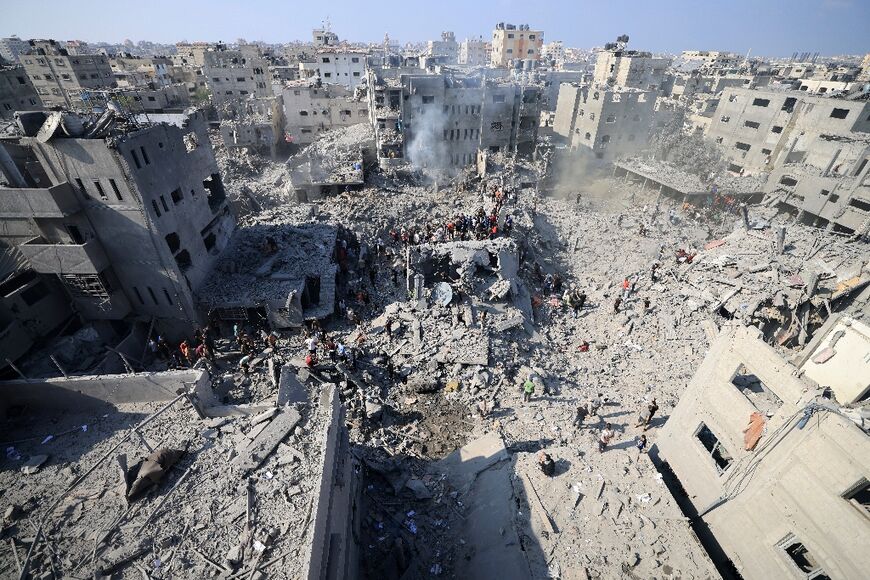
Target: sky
767, 27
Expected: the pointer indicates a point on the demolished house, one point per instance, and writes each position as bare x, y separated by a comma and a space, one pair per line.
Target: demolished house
333, 164
152, 474
281, 274
772, 463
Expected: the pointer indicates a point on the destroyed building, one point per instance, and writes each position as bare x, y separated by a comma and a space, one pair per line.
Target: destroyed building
442, 120
235, 74
616, 66
609, 123
310, 109
254, 123
173, 98
129, 217
515, 43
54, 72
17, 92
773, 463
141, 71
286, 286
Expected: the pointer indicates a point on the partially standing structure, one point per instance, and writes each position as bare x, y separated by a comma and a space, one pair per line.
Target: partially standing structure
774, 465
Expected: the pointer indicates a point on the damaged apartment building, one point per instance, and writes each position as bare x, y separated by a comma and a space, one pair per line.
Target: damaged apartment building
128, 216
235, 74
17, 92
310, 109
771, 457
55, 73
612, 116
443, 119
815, 149
335, 65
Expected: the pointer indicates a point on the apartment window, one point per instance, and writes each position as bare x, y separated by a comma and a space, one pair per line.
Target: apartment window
498, 98
356, 74
177, 196
135, 159
297, 93
303, 113
860, 204
510, 51
65, 77
742, 146
765, 151
153, 296
531, 37
754, 389
138, 296
605, 139
428, 99
325, 59
183, 260
725, 118
240, 79
776, 129
714, 448
588, 136
760, 102
859, 496
99, 187
510, 35
327, 75
610, 119
163, 203
834, 198
788, 181
215, 79
788, 105
824, 192
530, 51
861, 167
751, 124
156, 209
804, 562
839, 113
354, 59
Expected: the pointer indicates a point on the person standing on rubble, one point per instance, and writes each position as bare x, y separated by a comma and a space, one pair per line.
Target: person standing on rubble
582, 413
650, 412
641, 443
616, 304
528, 390
311, 343
593, 405
626, 289
605, 437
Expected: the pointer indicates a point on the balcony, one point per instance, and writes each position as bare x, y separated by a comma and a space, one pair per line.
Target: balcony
45, 258
57, 201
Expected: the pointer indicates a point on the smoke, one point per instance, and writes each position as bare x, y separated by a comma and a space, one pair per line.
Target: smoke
427, 150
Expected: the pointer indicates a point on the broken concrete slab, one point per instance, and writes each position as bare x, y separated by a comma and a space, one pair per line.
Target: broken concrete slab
290, 388
463, 465
33, 464
253, 454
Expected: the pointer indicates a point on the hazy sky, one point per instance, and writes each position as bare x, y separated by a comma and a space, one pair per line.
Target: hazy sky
768, 27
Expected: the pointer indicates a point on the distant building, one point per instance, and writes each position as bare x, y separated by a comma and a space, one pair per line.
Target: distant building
553, 52
12, 47
139, 71
235, 74
447, 47
512, 43
322, 37
17, 93
129, 225
191, 53
474, 52
444, 120
608, 122
631, 69
335, 66
774, 472
310, 110
54, 72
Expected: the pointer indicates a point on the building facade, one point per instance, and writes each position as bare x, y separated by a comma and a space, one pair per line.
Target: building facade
630, 68
12, 47
335, 66
310, 110
777, 473
17, 93
610, 123
447, 47
474, 52
233, 74
511, 43
129, 225
54, 72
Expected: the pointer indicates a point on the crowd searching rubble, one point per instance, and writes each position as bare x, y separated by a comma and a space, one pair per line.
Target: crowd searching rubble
546, 338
